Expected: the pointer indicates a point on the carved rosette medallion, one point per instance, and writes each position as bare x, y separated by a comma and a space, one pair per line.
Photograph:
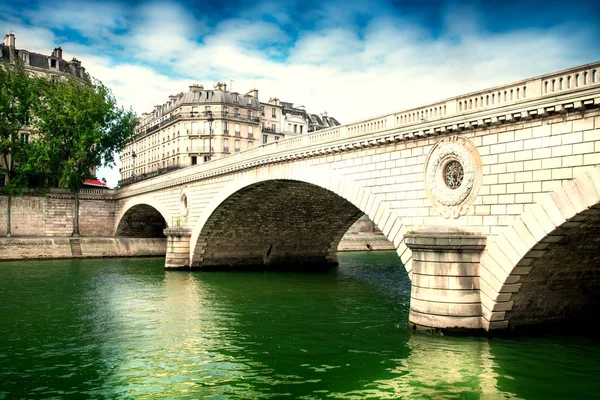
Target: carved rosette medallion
453, 175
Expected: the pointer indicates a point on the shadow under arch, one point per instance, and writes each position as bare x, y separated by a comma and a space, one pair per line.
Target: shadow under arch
287, 210
141, 220
545, 267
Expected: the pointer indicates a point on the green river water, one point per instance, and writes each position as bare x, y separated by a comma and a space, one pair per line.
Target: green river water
126, 329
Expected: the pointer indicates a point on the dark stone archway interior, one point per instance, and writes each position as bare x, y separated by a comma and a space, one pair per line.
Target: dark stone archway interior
564, 284
275, 224
142, 221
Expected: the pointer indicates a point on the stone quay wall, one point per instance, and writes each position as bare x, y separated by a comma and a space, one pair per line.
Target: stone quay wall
36, 214
23, 248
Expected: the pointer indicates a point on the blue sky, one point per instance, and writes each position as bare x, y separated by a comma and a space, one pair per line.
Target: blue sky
353, 59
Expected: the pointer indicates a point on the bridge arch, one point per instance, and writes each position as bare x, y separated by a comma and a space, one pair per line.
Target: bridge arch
352, 200
545, 267
142, 217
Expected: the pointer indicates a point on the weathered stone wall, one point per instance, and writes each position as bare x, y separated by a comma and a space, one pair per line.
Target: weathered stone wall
142, 221
35, 214
365, 241
60, 247
276, 223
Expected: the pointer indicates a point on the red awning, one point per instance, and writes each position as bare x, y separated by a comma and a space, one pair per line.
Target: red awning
95, 183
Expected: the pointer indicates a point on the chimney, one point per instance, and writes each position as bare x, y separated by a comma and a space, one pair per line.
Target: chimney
196, 88
9, 40
57, 53
253, 93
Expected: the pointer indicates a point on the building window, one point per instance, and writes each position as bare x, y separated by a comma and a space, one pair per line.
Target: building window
274, 114
262, 110
300, 129
265, 139
250, 133
225, 112
226, 127
236, 112
273, 127
237, 129
276, 138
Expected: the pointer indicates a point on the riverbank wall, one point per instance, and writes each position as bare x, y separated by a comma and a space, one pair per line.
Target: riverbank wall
365, 241
24, 248
51, 214
42, 223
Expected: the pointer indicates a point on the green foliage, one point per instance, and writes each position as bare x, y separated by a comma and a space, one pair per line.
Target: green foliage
18, 97
80, 127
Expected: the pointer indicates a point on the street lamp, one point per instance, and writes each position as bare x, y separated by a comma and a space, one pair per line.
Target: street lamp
210, 120
133, 155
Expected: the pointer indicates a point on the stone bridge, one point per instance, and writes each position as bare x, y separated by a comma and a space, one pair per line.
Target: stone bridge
490, 198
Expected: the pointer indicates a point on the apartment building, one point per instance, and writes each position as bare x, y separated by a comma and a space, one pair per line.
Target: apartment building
204, 124
191, 128
51, 66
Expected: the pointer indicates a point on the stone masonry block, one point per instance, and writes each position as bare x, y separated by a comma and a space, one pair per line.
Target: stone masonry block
576, 197
586, 187
574, 137
583, 124
508, 249
591, 159
561, 199
540, 215
560, 128
548, 163
533, 225
496, 262
584, 148
561, 151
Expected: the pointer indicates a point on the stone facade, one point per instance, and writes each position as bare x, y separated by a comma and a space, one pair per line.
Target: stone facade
511, 147
206, 124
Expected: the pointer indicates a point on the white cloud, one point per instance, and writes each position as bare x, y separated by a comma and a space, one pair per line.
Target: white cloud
89, 18
386, 64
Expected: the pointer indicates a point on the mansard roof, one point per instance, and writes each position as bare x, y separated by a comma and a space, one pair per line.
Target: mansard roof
218, 96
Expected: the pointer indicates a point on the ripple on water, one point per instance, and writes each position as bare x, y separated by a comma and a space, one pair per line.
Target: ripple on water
127, 329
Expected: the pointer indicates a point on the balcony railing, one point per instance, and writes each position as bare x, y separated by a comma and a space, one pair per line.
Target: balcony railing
204, 115
199, 149
237, 133
269, 130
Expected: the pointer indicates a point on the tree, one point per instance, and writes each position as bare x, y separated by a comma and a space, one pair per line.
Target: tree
80, 127
18, 96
